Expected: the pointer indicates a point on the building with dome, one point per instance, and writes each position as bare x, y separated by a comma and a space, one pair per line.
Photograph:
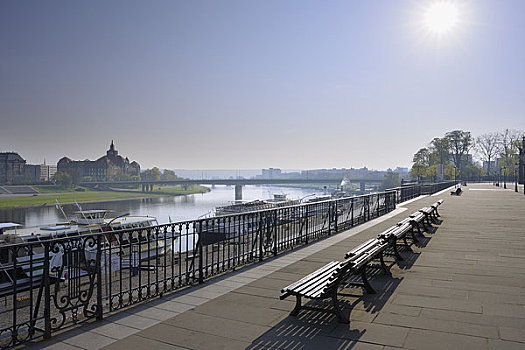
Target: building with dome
111, 167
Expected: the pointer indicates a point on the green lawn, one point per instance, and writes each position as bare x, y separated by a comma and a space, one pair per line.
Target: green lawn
68, 196
42, 199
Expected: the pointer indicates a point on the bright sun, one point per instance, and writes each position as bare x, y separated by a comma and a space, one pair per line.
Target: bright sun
441, 18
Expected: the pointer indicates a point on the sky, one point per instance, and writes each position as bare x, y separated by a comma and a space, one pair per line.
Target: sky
251, 84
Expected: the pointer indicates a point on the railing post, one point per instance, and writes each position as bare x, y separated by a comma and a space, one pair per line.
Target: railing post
367, 215
100, 305
336, 215
260, 234
47, 294
307, 222
199, 243
275, 232
330, 218
352, 212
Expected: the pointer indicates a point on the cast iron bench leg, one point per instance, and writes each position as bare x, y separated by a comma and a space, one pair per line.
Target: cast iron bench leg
418, 229
297, 307
414, 236
396, 252
405, 241
368, 287
383, 265
337, 310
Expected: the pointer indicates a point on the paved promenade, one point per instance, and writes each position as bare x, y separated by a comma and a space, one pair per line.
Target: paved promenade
462, 288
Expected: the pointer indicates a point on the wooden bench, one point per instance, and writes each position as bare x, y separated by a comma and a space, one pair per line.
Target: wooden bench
435, 206
362, 255
429, 214
395, 233
320, 284
418, 219
325, 282
456, 192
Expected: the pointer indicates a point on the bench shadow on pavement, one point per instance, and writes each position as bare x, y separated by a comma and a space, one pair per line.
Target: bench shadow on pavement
313, 329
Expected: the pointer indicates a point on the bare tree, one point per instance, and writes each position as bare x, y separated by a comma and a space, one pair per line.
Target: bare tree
508, 139
460, 144
509, 142
487, 146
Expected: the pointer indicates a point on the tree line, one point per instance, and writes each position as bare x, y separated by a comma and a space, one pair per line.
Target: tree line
455, 155
68, 180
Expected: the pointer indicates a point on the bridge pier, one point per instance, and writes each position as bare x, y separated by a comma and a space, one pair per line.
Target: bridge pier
147, 187
238, 192
362, 186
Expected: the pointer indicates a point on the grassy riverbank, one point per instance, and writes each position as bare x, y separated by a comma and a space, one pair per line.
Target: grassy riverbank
49, 194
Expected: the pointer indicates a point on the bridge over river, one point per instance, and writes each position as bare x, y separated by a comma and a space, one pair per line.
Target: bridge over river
462, 287
147, 186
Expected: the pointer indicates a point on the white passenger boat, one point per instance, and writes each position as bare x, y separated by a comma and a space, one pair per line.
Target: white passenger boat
24, 267
278, 200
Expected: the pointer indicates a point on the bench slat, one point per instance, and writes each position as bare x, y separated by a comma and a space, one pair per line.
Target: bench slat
306, 278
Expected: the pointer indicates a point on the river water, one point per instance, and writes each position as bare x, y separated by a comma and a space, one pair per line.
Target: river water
179, 208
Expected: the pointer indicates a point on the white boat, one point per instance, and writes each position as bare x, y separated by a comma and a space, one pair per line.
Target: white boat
24, 268
278, 200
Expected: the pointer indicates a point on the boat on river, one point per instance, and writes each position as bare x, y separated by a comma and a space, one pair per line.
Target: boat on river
23, 266
220, 228
278, 200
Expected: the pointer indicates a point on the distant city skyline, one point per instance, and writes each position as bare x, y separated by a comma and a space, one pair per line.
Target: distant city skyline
251, 85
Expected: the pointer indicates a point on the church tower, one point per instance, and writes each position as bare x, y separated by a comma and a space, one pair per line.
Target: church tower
112, 152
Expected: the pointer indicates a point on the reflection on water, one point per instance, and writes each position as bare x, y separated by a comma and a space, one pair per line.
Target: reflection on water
178, 208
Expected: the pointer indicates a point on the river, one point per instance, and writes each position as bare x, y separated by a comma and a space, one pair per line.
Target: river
178, 208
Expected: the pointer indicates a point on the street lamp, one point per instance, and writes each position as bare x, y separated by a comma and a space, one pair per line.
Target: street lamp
310, 195
505, 177
516, 177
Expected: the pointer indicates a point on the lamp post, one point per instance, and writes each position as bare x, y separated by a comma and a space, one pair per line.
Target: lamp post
505, 177
499, 174
516, 177
309, 195
455, 176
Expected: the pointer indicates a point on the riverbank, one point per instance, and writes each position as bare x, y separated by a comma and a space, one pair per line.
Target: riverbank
88, 196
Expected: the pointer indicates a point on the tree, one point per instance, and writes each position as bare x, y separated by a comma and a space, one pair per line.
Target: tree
63, 179
439, 151
418, 171
460, 144
509, 147
421, 162
487, 146
168, 175
422, 157
151, 174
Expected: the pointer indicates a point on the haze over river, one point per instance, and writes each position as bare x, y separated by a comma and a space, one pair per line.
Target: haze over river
179, 208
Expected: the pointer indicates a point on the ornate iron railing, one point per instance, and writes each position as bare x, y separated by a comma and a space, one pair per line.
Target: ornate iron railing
405, 193
50, 284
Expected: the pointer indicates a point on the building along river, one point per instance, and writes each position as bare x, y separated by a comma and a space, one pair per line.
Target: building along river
174, 208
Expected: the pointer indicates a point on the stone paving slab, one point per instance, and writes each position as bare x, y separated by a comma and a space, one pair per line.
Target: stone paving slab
462, 288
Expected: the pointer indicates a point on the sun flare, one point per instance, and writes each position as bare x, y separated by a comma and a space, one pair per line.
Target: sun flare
441, 18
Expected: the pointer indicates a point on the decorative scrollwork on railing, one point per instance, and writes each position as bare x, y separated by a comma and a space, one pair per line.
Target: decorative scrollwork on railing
74, 280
